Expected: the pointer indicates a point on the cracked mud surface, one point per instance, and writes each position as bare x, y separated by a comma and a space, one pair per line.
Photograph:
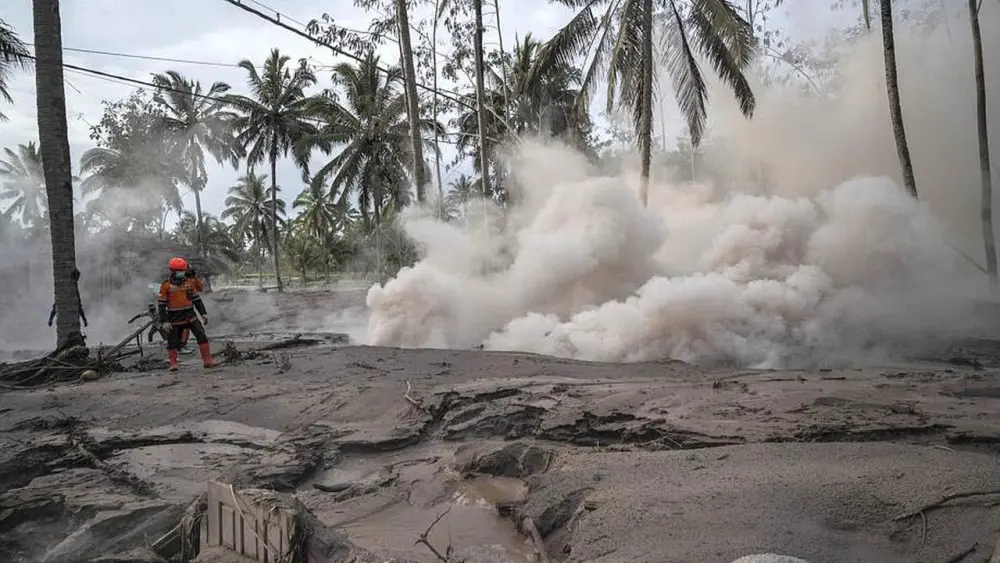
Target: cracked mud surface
659, 462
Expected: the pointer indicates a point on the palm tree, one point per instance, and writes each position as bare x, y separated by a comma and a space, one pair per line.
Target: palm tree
215, 236
134, 185
304, 252
54, 146
317, 218
460, 191
248, 206
617, 35
541, 103
23, 180
13, 56
196, 122
272, 121
372, 130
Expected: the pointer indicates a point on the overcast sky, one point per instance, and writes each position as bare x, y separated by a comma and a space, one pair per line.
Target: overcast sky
213, 31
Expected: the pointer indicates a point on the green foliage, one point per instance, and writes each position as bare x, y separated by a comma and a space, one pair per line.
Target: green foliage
370, 131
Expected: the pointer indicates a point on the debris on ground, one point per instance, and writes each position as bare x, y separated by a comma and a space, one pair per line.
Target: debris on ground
478, 457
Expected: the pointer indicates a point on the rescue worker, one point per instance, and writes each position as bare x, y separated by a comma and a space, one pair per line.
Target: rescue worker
75, 274
192, 276
177, 302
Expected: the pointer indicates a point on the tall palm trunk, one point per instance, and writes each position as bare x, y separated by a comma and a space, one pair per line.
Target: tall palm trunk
434, 111
260, 253
274, 218
412, 101
646, 102
481, 102
984, 143
54, 149
200, 237
892, 88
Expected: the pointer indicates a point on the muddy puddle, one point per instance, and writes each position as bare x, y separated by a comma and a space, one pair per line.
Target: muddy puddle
464, 526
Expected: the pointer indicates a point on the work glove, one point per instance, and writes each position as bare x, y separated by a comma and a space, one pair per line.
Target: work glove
50, 322
204, 320
85, 323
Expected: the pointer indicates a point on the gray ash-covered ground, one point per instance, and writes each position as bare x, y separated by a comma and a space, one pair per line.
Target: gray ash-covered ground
655, 462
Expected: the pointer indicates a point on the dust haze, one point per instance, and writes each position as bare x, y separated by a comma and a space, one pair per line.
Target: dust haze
821, 257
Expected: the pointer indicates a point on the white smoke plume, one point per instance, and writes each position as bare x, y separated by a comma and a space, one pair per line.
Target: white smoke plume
834, 260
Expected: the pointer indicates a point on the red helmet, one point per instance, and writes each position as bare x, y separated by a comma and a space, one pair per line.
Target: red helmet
178, 265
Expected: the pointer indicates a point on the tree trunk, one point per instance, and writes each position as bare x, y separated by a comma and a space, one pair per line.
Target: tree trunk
501, 179
481, 102
895, 109
984, 143
412, 101
260, 253
645, 131
378, 238
434, 112
54, 149
200, 236
274, 222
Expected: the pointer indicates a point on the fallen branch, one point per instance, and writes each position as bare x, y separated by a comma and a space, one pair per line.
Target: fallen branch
942, 501
536, 538
423, 538
293, 342
68, 364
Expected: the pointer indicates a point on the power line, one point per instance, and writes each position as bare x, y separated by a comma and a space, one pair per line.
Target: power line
163, 59
135, 81
118, 79
146, 57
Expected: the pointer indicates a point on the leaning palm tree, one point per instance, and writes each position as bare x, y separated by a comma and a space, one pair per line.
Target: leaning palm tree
618, 36
272, 120
372, 131
13, 56
250, 210
23, 181
196, 122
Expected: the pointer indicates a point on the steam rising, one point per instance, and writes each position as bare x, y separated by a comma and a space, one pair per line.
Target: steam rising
827, 258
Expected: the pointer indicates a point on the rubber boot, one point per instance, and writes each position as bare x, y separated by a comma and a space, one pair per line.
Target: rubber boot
206, 355
172, 355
